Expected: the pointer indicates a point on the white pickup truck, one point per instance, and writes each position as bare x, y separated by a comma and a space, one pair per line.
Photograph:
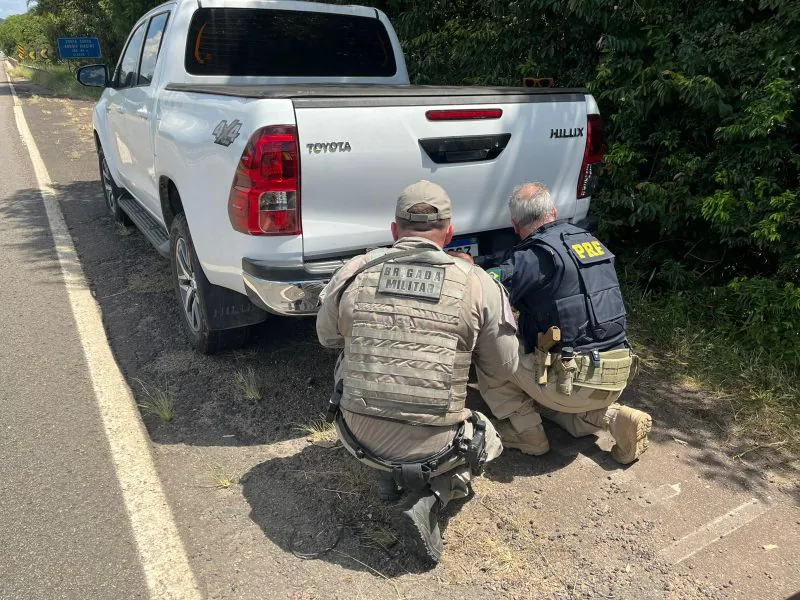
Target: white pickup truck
258, 144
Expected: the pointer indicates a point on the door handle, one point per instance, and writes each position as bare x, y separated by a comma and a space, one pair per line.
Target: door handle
142, 113
119, 110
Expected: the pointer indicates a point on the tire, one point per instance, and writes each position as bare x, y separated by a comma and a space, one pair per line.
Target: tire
111, 192
189, 280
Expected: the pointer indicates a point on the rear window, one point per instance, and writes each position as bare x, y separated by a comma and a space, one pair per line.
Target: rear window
287, 43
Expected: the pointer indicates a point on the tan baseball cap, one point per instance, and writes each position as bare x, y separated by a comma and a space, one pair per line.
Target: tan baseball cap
424, 192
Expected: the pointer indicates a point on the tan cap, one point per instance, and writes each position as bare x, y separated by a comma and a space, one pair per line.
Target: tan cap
424, 192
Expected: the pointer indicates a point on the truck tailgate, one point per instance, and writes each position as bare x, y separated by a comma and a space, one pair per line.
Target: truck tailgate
358, 151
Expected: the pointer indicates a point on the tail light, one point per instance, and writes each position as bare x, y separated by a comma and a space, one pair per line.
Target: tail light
265, 196
595, 148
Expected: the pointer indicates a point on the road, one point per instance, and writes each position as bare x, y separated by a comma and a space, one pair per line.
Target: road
244, 487
65, 530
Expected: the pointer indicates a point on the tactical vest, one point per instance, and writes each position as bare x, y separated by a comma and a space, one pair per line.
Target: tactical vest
408, 354
582, 297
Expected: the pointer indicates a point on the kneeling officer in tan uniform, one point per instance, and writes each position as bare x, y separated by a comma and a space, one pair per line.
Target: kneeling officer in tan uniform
410, 319
574, 355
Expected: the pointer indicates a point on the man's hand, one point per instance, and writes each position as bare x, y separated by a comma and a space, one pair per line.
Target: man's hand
463, 256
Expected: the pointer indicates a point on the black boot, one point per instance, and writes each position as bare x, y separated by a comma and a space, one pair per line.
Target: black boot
417, 519
388, 489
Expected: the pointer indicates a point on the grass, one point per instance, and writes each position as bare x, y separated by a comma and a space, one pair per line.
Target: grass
249, 384
319, 432
58, 80
159, 403
760, 390
222, 478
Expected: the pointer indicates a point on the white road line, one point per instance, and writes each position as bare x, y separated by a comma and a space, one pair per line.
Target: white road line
713, 531
166, 566
660, 494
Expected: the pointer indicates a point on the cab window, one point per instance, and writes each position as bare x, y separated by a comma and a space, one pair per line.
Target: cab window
126, 75
152, 46
287, 43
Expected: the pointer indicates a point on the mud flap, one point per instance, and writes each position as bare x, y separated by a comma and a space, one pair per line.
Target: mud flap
226, 309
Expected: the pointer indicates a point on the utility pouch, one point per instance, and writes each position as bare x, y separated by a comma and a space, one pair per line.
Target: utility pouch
542, 362
333, 402
634, 367
565, 374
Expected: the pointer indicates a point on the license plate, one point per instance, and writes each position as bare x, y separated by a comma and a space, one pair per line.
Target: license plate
465, 245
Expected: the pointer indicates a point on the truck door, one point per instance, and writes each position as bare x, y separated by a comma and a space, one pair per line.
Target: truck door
139, 118
118, 105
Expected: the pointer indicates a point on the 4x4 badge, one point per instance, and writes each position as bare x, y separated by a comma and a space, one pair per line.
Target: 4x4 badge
224, 134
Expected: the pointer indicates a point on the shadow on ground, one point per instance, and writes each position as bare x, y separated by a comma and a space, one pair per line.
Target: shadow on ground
292, 371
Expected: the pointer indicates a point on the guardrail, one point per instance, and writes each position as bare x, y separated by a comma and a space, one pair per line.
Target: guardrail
18, 63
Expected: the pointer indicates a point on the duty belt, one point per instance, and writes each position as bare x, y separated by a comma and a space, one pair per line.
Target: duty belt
416, 475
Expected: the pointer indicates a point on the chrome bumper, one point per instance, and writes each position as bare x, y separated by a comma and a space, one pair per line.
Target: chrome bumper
285, 292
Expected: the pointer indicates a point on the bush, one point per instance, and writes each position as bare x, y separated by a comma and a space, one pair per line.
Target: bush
701, 184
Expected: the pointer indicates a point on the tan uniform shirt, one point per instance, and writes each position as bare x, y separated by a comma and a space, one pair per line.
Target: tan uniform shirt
496, 351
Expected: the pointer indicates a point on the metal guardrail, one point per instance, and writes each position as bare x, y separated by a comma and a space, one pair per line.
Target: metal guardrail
18, 63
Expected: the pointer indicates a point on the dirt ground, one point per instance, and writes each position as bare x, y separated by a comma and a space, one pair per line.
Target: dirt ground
264, 512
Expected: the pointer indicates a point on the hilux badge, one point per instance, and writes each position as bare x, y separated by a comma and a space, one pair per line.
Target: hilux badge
573, 132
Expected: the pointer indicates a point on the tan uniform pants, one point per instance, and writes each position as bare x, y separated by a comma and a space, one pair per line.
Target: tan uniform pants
400, 441
524, 402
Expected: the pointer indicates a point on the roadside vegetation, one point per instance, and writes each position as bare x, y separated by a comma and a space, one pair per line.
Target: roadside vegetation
157, 402
57, 80
249, 384
700, 187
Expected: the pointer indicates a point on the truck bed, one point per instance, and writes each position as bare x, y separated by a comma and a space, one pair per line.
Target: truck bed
359, 145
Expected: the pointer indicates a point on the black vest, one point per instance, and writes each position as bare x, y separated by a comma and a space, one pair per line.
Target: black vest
581, 297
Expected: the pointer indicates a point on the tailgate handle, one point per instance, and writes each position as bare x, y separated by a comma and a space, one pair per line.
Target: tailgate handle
472, 148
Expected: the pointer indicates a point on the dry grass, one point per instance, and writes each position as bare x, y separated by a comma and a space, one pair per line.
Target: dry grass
319, 432
249, 384
159, 403
223, 479
56, 79
122, 230
20, 73
377, 536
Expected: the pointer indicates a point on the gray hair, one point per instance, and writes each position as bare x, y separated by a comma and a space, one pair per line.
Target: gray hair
529, 203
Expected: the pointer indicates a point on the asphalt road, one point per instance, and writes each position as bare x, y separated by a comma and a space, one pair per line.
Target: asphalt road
64, 530
246, 487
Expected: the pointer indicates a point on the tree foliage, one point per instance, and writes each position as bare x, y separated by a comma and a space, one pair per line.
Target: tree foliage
701, 182
108, 20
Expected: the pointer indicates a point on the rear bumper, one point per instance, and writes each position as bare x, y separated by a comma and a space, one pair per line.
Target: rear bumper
282, 291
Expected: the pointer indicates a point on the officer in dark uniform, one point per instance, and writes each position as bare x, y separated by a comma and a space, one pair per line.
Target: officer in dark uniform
574, 357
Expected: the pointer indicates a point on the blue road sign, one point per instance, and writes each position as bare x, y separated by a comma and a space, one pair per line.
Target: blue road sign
79, 47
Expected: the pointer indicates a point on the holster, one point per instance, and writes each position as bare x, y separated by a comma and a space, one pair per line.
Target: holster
476, 451
541, 362
333, 402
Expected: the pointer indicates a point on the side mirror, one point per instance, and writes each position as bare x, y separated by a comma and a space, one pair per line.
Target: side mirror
93, 76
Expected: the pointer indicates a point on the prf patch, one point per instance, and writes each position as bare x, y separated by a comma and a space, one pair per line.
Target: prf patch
416, 281
587, 249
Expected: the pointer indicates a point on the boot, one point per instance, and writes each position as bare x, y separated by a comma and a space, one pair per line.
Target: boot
388, 490
532, 441
629, 428
417, 519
